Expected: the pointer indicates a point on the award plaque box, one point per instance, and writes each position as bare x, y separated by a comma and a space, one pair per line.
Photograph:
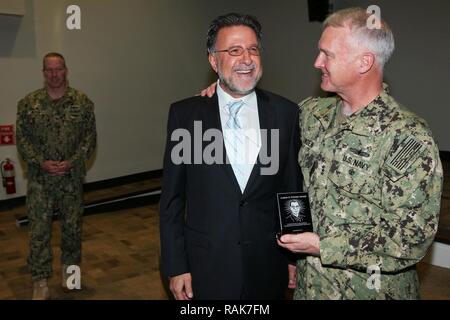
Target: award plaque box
294, 212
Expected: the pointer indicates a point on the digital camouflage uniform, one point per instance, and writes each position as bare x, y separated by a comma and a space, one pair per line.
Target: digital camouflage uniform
58, 130
375, 183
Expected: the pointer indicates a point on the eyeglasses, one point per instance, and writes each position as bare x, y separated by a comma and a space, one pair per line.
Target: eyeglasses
239, 51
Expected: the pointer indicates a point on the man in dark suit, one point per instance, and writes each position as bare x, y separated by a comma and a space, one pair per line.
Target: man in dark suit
226, 159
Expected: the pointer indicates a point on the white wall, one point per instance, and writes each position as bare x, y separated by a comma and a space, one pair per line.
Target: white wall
119, 58
12, 7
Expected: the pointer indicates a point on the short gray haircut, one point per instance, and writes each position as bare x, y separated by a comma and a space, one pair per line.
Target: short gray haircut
54, 55
379, 41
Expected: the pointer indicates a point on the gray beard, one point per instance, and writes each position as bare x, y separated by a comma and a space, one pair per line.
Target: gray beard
236, 90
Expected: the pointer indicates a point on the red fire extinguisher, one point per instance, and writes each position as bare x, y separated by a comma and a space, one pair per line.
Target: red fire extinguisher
8, 176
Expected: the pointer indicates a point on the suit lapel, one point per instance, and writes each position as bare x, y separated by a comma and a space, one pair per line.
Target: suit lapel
267, 121
215, 122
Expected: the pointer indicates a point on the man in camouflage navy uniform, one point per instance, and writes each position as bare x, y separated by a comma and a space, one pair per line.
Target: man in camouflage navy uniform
372, 170
55, 136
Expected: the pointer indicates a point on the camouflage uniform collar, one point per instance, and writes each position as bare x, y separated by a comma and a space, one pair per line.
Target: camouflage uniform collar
70, 93
326, 110
367, 121
41, 94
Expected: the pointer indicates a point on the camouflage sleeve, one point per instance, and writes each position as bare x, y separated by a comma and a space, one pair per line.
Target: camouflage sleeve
89, 141
411, 187
23, 136
411, 198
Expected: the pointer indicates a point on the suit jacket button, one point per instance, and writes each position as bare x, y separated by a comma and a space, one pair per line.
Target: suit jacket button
243, 203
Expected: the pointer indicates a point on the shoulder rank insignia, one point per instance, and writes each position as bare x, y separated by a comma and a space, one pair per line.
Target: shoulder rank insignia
408, 152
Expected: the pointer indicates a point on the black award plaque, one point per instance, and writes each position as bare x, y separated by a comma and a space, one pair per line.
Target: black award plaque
294, 212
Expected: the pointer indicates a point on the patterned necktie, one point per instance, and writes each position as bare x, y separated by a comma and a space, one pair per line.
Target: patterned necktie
233, 121
237, 144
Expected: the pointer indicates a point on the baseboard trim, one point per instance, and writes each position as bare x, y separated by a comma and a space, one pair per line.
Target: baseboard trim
9, 204
123, 202
114, 182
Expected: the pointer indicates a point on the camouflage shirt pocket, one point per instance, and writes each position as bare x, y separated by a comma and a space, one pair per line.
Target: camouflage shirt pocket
73, 113
353, 180
358, 196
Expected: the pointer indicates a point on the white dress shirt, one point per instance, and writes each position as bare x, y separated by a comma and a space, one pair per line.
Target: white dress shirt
250, 129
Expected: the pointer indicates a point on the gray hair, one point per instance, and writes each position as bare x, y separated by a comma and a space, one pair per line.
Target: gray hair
54, 55
380, 41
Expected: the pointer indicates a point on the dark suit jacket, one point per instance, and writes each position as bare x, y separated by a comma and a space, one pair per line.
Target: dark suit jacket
226, 239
